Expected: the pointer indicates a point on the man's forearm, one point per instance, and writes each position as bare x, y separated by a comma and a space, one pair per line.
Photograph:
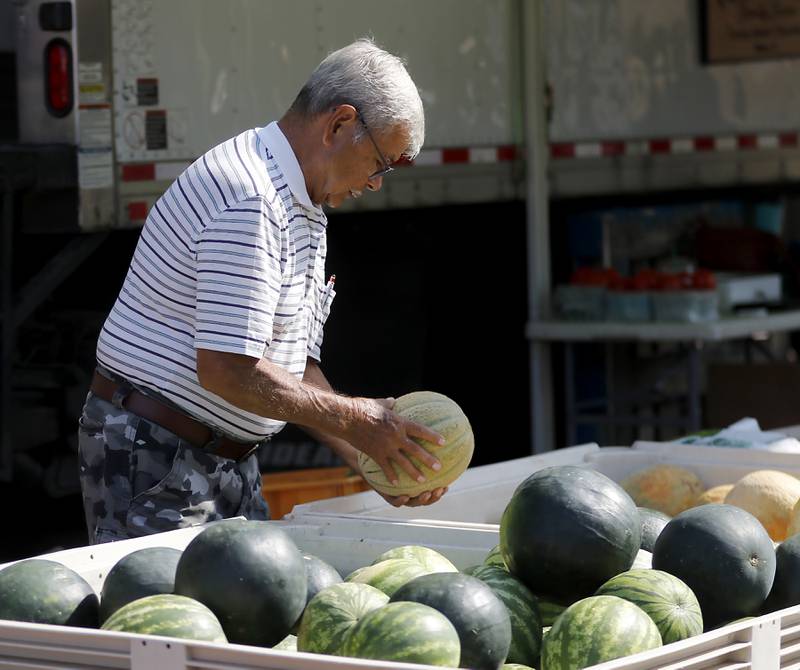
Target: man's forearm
346, 451
268, 390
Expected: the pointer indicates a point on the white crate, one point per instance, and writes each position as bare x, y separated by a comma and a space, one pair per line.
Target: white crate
478, 500
766, 643
471, 500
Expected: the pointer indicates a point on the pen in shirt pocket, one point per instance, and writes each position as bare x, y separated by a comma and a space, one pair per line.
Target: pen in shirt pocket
329, 286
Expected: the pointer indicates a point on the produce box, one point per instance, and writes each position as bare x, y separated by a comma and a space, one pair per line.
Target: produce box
764, 643
471, 500
480, 495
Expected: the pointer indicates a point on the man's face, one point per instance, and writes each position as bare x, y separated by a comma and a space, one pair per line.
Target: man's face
353, 163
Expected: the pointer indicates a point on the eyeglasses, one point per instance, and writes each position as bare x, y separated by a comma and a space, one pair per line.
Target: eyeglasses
387, 168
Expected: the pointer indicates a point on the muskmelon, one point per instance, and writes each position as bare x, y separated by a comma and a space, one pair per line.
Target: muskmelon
770, 496
439, 413
667, 488
716, 494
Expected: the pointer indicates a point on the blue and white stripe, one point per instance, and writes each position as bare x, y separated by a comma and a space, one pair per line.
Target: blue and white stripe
231, 258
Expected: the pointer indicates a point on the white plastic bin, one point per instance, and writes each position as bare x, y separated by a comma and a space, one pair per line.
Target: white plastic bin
480, 499
765, 643
472, 500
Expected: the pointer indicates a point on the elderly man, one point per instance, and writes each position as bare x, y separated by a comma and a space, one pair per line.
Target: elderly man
213, 343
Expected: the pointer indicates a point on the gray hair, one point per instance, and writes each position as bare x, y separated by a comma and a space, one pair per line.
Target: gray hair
375, 82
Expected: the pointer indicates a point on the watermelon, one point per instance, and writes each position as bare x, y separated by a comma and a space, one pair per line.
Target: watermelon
167, 615
472, 569
388, 575
144, 572
595, 630
495, 557
653, 523
405, 632
441, 414
550, 610
666, 599
523, 611
250, 574
429, 559
42, 591
289, 643
319, 575
785, 590
478, 615
724, 555
567, 530
332, 613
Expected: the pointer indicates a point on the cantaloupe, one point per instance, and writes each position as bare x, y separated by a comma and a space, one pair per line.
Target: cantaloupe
667, 488
716, 494
440, 413
770, 496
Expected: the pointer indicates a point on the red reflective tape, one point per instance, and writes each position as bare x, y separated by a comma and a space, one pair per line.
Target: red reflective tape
660, 146
139, 172
787, 139
612, 148
137, 211
506, 153
455, 155
747, 141
562, 150
704, 143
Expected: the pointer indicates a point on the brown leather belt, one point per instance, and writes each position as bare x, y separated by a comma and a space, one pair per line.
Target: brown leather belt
182, 425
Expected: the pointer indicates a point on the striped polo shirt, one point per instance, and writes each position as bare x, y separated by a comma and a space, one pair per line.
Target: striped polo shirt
231, 258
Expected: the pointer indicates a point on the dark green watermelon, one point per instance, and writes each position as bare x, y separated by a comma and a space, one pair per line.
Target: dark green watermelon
250, 574
786, 587
653, 523
523, 611
319, 575
43, 591
405, 632
167, 615
479, 616
567, 530
145, 572
725, 557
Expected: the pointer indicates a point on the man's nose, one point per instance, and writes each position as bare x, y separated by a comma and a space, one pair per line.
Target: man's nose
375, 183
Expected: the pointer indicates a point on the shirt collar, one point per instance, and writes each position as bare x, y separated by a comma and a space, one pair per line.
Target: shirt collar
284, 155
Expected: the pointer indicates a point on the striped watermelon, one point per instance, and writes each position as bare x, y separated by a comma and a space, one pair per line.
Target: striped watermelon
429, 559
388, 575
168, 615
523, 611
670, 603
406, 632
549, 610
494, 557
332, 613
597, 629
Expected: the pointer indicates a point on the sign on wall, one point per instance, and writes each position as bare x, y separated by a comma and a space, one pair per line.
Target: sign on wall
749, 30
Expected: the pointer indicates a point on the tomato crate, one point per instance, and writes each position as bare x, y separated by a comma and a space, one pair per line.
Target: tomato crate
764, 643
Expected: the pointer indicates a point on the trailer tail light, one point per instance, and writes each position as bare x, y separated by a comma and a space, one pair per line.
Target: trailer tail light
58, 77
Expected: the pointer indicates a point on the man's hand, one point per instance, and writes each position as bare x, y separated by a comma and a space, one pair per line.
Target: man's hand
424, 498
386, 437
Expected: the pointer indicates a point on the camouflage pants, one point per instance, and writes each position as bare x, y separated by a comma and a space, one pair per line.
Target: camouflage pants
138, 478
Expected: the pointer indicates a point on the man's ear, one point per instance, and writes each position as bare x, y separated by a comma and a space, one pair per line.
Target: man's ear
339, 118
